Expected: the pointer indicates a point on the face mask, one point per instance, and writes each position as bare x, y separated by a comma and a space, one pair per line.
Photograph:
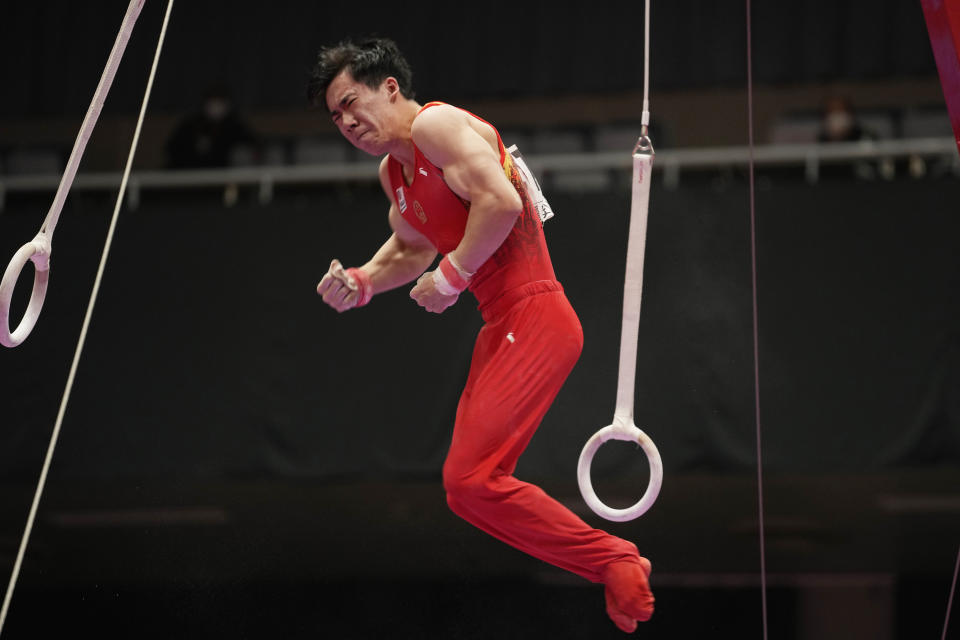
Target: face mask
838, 123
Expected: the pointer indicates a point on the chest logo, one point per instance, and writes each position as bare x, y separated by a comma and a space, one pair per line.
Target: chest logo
417, 209
401, 200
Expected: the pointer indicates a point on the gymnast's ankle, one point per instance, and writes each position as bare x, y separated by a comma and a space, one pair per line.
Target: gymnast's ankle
621, 564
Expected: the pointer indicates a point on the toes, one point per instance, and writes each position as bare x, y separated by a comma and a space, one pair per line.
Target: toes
645, 610
638, 604
629, 589
623, 621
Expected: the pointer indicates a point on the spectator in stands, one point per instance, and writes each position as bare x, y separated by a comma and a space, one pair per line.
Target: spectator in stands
839, 122
209, 137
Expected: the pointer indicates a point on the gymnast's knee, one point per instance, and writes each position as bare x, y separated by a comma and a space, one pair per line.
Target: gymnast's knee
467, 488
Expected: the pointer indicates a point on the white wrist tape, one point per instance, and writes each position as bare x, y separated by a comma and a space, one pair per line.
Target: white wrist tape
450, 278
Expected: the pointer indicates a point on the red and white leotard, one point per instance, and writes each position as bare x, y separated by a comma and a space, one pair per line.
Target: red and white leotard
430, 207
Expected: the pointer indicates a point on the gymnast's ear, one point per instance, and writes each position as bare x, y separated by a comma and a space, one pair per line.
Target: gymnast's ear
393, 88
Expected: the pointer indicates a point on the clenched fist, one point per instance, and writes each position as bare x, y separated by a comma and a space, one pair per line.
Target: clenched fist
344, 289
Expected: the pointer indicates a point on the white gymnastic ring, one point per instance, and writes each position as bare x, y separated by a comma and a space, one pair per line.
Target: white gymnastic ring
629, 433
37, 251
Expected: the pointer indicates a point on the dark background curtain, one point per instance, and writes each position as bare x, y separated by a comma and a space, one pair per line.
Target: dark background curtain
209, 353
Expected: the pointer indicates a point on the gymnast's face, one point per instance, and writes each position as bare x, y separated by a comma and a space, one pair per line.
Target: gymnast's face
363, 115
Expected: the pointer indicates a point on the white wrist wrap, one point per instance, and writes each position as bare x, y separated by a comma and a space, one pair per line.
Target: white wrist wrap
442, 285
450, 278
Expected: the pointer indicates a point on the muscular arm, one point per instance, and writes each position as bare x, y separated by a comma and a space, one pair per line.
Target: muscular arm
472, 170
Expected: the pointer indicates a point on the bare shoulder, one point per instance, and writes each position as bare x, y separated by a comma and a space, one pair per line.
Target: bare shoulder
438, 120
444, 133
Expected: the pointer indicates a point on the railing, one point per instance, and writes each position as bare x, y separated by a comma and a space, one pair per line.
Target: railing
670, 162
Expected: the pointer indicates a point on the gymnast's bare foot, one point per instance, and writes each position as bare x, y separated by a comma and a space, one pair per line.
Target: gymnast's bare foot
628, 595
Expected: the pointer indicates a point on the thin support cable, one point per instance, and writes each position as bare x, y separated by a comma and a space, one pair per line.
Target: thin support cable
953, 588
83, 335
645, 115
756, 330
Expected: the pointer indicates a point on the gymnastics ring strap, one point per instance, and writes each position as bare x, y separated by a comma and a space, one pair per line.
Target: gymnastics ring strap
38, 250
623, 427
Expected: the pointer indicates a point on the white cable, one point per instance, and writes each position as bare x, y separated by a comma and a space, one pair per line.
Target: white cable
623, 427
645, 116
953, 589
83, 332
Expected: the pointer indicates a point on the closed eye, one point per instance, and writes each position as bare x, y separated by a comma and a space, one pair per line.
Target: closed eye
346, 102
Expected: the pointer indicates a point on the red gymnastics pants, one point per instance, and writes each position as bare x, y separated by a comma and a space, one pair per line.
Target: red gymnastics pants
526, 349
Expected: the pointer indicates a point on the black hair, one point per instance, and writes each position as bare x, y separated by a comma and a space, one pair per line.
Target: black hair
370, 61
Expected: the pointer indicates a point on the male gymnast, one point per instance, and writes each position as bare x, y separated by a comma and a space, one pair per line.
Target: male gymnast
454, 190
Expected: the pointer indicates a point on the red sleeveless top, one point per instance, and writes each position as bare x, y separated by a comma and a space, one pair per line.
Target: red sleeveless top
430, 207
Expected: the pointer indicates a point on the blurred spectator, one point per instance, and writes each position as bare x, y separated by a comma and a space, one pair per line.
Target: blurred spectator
839, 122
209, 137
